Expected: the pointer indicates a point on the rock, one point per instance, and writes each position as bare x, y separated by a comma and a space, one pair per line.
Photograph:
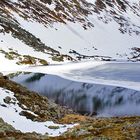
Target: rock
43, 62
36, 108
3, 105
5, 77
28, 115
83, 132
90, 128
1, 75
53, 127
7, 100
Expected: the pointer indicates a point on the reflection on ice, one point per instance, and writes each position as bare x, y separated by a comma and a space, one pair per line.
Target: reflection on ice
84, 98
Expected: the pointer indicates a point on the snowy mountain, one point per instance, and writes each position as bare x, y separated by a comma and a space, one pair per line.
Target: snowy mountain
69, 30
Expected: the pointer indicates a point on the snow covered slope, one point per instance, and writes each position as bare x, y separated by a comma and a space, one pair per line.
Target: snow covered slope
60, 30
11, 113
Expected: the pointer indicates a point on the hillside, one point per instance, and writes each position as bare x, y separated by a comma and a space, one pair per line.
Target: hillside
57, 31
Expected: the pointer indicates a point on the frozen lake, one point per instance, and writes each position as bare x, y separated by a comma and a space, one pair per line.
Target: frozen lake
123, 74
110, 89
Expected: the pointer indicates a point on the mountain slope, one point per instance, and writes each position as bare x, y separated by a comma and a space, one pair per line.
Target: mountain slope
17, 102
61, 30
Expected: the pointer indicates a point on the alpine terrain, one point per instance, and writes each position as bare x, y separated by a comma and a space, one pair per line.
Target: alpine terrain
70, 69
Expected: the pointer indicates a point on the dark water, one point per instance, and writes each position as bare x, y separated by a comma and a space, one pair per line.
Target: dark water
83, 97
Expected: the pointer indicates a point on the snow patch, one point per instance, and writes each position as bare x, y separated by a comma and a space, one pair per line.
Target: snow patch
10, 114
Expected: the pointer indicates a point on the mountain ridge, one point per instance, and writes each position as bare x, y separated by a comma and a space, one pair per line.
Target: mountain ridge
77, 19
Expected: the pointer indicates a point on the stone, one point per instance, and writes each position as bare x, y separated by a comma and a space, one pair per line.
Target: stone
7, 100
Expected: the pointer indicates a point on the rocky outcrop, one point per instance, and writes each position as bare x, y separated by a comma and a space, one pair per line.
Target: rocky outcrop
23, 59
43, 108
